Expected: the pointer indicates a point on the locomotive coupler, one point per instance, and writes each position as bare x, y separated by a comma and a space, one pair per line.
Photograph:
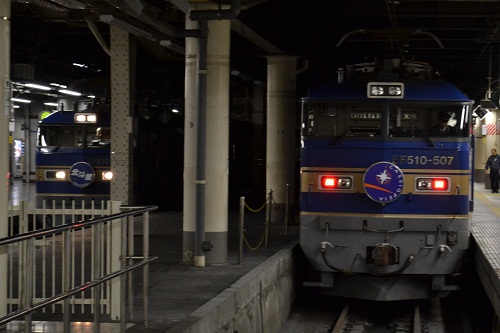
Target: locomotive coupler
384, 254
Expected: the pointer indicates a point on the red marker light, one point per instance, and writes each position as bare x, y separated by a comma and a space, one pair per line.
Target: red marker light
328, 182
440, 184
430, 184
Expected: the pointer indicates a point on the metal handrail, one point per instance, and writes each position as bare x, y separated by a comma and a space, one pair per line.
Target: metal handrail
57, 298
73, 226
98, 280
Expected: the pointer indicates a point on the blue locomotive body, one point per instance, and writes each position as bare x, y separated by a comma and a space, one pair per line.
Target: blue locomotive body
386, 188
73, 156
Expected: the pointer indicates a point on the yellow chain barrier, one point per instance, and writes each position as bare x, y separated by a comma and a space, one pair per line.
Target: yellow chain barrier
255, 210
258, 245
263, 234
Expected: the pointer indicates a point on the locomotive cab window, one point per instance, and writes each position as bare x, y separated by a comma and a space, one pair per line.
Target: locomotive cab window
56, 136
389, 119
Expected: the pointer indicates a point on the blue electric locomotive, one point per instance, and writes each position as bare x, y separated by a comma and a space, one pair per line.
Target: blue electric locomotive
73, 156
385, 190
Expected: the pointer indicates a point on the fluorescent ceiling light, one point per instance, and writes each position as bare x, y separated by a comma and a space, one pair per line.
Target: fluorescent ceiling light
58, 85
37, 86
20, 100
111, 20
172, 46
50, 104
70, 92
71, 4
80, 65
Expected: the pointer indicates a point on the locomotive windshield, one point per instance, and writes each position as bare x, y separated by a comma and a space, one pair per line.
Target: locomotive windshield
73, 136
355, 119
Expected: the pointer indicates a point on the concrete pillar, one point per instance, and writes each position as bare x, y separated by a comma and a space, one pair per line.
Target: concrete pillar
259, 135
5, 12
123, 50
281, 145
217, 143
123, 55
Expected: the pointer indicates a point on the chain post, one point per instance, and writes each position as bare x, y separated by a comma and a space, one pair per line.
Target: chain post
241, 226
268, 222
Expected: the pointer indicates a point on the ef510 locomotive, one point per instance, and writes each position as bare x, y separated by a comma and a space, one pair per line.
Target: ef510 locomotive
385, 182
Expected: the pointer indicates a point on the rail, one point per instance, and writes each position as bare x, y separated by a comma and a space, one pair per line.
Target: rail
48, 266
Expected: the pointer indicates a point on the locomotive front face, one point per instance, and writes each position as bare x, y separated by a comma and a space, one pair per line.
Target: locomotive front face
73, 156
385, 193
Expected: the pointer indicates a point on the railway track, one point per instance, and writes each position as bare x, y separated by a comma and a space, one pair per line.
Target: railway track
394, 317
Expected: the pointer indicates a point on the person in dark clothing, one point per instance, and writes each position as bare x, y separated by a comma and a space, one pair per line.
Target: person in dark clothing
445, 125
493, 163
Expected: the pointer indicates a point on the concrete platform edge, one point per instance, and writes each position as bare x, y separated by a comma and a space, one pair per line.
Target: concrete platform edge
259, 302
488, 277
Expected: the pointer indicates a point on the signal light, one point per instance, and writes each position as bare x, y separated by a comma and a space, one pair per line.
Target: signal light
332, 182
85, 118
433, 184
107, 175
55, 175
439, 184
329, 182
385, 90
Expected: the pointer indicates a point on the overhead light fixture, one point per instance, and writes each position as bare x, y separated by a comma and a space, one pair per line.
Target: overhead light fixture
80, 65
241, 75
58, 85
20, 100
71, 4
111, 20
37, 86
487, 104
70, 92
50, 104
172, 46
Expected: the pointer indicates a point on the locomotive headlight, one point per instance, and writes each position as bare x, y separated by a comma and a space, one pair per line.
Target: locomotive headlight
332, 182
385, 90
377, 91
395, 91
85, 117
107, 175
55, 174
432, 184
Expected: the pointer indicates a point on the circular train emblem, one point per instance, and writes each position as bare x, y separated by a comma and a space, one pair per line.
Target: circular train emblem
81, 174
383, 182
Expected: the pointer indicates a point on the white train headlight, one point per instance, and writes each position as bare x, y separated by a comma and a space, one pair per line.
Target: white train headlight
107, 175
55, 174
385, 90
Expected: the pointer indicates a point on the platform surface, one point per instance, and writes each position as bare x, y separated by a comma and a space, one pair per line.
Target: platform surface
177, 289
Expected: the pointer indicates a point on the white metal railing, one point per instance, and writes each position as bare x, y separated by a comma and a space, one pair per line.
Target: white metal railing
63, 259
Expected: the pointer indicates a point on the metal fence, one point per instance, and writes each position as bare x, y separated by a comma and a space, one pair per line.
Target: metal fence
64, 259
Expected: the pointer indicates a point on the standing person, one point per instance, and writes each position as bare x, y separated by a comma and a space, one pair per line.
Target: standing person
493, 163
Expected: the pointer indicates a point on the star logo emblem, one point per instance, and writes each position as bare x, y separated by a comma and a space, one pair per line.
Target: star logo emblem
384, 177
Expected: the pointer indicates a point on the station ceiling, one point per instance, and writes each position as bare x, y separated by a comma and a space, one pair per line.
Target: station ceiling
459, 39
